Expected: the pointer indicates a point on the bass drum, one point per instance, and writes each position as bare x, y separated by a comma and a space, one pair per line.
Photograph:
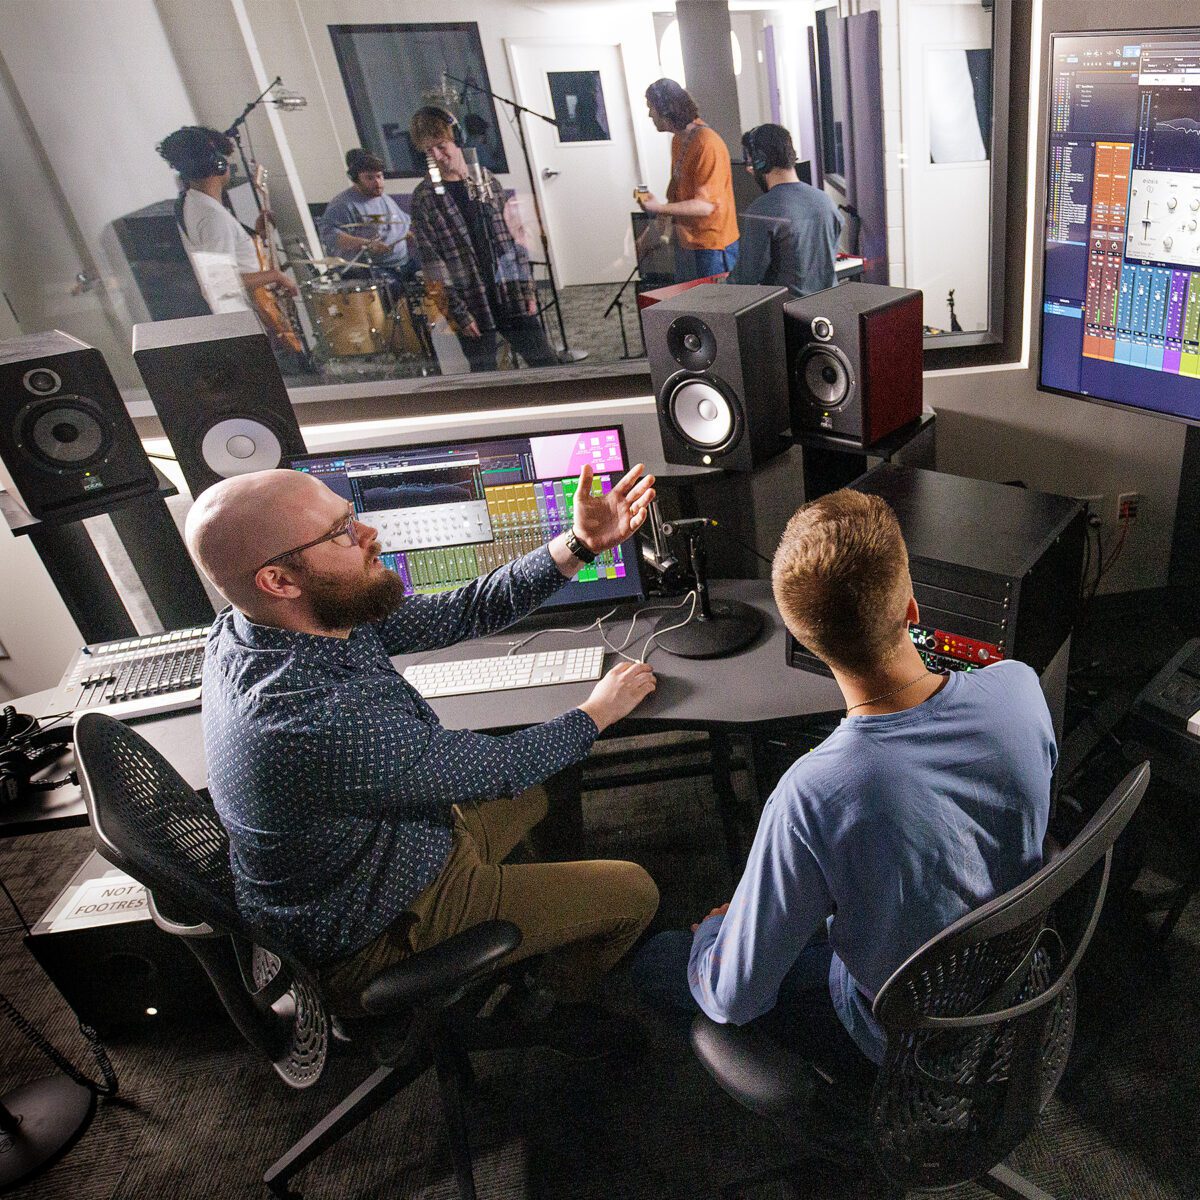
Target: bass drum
348, 316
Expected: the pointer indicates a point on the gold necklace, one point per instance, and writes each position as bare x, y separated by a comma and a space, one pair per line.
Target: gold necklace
887, 695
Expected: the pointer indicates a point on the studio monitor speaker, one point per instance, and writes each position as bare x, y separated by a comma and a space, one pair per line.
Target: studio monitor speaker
68, 448
219, 395
854, 357
720, 380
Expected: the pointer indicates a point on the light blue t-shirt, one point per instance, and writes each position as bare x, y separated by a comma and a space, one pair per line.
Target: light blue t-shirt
366, 216
890, 830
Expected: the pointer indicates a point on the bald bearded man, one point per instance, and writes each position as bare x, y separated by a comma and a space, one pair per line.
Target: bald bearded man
361, 830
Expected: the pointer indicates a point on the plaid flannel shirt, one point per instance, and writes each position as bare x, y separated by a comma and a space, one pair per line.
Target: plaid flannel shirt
448, 258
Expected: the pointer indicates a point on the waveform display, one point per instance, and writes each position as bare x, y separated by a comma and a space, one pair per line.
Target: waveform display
415, 488
1172, 130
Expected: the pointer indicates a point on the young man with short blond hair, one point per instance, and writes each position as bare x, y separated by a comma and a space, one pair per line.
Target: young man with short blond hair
929, 799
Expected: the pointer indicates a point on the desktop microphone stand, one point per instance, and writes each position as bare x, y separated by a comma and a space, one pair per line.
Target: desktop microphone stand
567, 354
719, 627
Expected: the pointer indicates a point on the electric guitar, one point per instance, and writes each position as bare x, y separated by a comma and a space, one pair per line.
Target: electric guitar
276, 309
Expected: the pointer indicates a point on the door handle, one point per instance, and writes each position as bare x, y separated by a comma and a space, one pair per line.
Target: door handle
548, 173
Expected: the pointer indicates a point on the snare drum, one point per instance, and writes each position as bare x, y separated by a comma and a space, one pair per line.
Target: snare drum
348, 315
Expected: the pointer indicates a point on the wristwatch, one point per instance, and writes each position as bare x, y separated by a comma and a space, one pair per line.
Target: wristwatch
578, 549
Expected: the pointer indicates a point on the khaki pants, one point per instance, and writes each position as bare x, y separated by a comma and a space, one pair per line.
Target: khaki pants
582, 915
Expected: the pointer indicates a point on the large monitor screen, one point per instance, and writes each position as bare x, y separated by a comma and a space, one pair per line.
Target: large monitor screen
449, 512
1121, 291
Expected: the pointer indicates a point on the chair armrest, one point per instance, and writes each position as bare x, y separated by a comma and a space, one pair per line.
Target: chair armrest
178, 927
443, 969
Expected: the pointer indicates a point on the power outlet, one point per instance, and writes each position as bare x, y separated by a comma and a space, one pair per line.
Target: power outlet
1128, 504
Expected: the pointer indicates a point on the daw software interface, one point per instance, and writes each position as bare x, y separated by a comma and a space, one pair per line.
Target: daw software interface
1121, 294
449, 512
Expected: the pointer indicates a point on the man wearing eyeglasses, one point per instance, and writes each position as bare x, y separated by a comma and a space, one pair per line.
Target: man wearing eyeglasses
362, 831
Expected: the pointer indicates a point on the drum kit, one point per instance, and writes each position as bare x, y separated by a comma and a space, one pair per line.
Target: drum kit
358, 310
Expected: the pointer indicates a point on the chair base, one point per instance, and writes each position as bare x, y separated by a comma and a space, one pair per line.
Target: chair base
1008, 1185
40, 1121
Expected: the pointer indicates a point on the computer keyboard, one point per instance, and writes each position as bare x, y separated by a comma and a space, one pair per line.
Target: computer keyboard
506, 671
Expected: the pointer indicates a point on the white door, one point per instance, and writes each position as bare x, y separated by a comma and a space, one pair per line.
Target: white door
586, 169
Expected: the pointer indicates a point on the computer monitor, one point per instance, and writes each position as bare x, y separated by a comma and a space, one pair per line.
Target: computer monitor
1121, 285
452, 511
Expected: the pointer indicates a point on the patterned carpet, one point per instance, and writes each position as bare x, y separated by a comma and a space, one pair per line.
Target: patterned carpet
201, 1115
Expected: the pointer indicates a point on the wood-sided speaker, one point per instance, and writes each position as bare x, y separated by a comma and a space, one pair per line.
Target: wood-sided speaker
219, 395
720, 378
68, 448
854, 357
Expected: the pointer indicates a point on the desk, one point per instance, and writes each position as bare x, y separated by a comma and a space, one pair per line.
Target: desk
724, 697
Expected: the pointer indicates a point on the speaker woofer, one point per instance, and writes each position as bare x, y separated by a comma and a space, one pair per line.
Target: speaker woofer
691, 343
239, 445
703, 412
64, 434
824, 376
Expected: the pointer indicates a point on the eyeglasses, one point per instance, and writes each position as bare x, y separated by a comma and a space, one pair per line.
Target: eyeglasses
348, 530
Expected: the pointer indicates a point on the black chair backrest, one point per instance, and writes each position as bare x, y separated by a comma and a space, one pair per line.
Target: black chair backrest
979, 1021
147, 821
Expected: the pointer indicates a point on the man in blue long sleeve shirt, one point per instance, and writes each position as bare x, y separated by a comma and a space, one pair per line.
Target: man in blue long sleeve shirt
360, 829
929, 799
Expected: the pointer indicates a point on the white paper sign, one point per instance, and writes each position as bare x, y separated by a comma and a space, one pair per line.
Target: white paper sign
112, 899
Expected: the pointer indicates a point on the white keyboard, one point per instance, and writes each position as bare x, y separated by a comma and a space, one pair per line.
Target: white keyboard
506, 672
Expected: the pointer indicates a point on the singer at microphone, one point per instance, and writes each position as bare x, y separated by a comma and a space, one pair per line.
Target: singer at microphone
487, 288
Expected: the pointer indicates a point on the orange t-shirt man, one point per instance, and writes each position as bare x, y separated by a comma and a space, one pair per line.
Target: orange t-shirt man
700, 170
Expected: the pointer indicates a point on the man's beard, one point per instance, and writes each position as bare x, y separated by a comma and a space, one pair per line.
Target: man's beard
341, 604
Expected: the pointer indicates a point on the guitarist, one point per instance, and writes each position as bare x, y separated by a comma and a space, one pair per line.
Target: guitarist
221, 250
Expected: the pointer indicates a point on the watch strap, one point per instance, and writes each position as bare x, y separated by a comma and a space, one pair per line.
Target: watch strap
578, 549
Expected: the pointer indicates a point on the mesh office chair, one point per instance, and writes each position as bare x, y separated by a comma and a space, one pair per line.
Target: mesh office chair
979, 1023
148, 822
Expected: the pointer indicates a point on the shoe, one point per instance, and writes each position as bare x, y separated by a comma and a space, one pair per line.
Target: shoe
585, 1032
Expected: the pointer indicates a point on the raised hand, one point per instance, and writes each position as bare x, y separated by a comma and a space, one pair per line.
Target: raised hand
602, 522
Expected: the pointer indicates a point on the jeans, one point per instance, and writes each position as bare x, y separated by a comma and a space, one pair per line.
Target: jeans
813, 1010
699, 264
523, 334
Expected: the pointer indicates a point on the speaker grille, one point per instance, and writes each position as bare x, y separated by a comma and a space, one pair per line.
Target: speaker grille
824, 375
703, 414
64, 434
691, 343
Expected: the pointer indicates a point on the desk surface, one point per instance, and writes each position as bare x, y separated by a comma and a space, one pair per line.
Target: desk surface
754, 687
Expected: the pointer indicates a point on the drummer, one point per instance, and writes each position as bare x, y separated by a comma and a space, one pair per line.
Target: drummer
364, 223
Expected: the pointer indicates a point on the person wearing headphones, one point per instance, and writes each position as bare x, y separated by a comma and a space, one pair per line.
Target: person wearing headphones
219, 247
364, 222
700, 195
790, 233
481, 279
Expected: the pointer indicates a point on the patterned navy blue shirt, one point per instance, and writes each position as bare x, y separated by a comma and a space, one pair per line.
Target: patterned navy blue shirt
333, 776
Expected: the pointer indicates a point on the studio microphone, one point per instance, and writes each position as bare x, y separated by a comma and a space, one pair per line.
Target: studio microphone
474, 171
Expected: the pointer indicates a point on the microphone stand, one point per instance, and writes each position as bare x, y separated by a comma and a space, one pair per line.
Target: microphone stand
567, 354
617, 303
235, 132
719, 627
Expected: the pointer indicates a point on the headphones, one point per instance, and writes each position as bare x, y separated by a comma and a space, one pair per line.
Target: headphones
197, 161
444, 114
24, 750
754, 153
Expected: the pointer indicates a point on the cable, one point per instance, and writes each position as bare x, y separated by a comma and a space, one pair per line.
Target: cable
659, 632
619, 650
596, 624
